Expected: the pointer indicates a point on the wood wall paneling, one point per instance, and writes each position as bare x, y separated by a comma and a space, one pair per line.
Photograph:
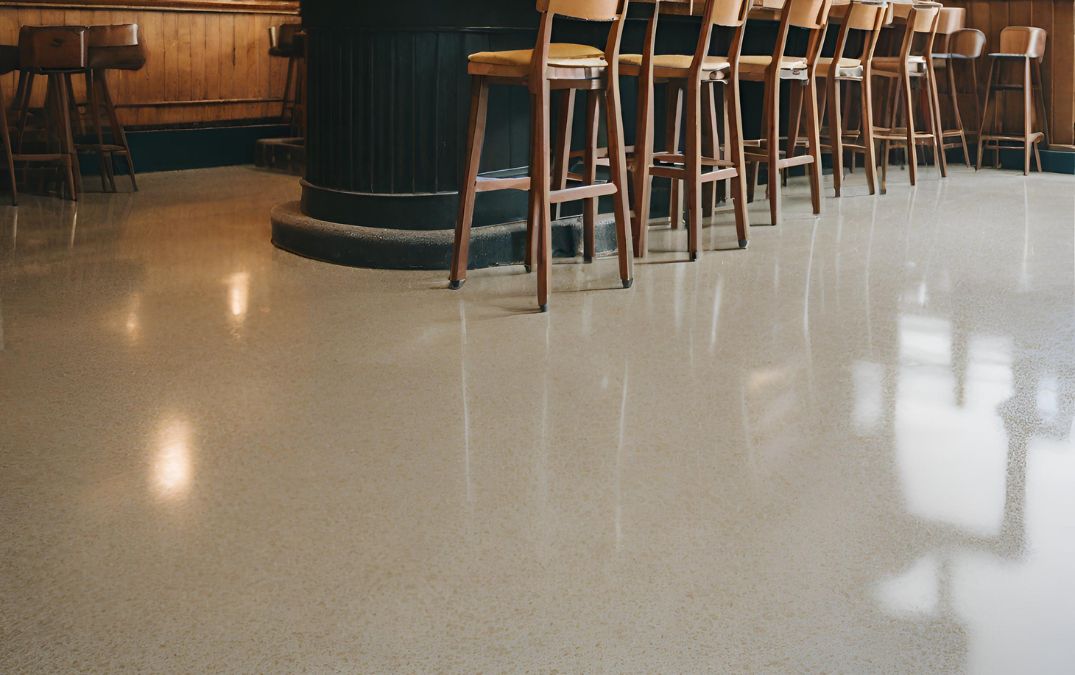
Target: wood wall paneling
207, 60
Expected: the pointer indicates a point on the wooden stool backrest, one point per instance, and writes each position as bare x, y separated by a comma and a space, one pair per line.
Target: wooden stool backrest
53, 47
725, 13
968, 42
120, 35
808, 14
587, 10
1026, 40
868, 18
951, 20
921, 20
812, 15
728, 13
283, 36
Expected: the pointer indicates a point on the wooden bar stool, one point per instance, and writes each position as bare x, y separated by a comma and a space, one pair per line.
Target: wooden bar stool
111, 48
1023, 45
551, 66
55, 52
801, 73
866, 19
914, 64
287, 41
958, 44
691, 73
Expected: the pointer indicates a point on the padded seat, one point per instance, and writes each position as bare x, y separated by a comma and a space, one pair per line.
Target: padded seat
851, 68
116, 47
753, 67
676, 65
561, 54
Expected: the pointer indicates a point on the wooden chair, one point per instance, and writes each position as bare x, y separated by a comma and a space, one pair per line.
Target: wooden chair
116, 47
1024, 45
866, 19
801, 72
551, 66
691, 73
55, 52
913, 64
959, 45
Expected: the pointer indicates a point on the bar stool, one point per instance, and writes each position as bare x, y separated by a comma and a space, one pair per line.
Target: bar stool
56, 52
116, 47
914, 64
287, 41
1025, 44
800, 71
959, 44
691, 73
547, 67
866, 18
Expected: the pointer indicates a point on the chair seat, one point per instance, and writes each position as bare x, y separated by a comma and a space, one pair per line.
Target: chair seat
675, 66
1003, 55
851, 68
891, 64
516, 62
754, 67
117, 58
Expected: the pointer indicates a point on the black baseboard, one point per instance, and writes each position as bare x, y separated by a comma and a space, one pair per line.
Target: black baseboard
192, 148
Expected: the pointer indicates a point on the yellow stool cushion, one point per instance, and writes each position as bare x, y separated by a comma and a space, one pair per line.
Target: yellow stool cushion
847, 67
676, 61
560, 54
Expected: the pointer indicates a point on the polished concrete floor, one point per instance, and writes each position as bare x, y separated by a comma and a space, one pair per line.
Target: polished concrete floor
846, 449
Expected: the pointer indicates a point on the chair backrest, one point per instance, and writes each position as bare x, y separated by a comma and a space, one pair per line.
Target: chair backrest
809, 14
951, 20
728, 13
969, 43
812, 15
868, 18
120, 35
1026, 40
587, 10
923, 18
863, 16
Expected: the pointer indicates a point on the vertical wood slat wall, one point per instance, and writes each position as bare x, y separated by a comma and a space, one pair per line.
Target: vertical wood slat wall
204, 63
1057, 17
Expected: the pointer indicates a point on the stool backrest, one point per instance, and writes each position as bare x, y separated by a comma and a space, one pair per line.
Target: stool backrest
53, 47
809, 14
120, 35
951, 20
1026, 40
587, 10
922, 22
968, 42
283, 36
728, 13
868, 18
812, 15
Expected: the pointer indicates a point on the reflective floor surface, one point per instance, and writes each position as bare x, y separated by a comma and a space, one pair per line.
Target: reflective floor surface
846, 449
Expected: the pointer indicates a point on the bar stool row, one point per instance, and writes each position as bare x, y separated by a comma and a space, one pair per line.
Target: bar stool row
58, 54
912, 111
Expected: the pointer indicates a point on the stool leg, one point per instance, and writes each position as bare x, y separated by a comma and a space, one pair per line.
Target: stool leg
772, 139
673, 130
933, 99
589, 206
468, 189
94, 115
836, 132
1043, 111
953, 97
541, 182
24, 109
617, 160
709, 145
693, 166
8, 155
287, 87
643, 160
866, 123
67, 141
908, 110
795, 107
1028, 116
813, 128
533, 211
984, 117
734, 116
118, 132
565, 113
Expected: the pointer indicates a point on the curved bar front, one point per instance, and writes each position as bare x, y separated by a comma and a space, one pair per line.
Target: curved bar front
388, 98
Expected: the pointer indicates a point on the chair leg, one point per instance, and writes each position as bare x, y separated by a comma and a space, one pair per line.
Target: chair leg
868, 142
643, 159
795, 107
565, 113
836, 133
287, 87
813, 128
63, 108
533, 211
908, 110
589, 206
104, 159
24, 109
710, 145
1043, 111
1028, 116
984, 116
693, 165
479, 100
617, 161
933, 99
542, 182
734, 116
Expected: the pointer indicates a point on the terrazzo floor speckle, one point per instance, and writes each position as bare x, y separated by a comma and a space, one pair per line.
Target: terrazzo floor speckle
845, 449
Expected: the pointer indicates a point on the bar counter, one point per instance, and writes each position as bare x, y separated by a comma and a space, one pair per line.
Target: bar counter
388, 103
